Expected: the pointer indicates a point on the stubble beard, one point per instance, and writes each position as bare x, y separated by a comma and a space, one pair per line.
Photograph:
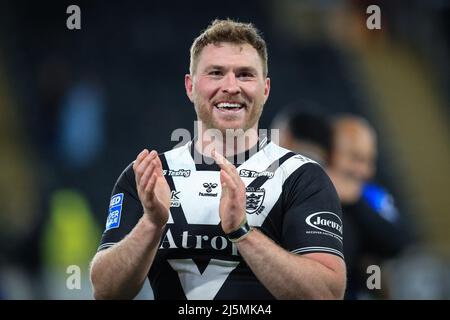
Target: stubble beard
205, 115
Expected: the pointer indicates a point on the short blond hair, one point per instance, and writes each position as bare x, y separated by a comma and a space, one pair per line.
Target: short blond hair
232, 32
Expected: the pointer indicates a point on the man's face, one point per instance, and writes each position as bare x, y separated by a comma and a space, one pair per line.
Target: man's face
228, 87
353, 160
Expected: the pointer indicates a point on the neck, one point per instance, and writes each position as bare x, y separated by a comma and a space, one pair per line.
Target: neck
229, 143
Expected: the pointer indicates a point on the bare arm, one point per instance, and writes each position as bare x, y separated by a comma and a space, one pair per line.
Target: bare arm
290, 276
120, 271
284, 274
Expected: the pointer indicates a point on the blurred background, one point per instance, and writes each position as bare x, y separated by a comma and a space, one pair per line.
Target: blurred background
77, 106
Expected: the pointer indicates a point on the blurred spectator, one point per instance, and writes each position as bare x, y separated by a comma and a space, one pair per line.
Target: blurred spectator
18, 195
53, 79
67, 240
81, 125
353, 156
373, 228
308, 131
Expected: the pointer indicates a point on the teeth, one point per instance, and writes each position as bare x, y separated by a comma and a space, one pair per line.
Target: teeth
228, 105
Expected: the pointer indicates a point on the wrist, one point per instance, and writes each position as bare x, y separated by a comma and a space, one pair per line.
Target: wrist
241, 232
151, 224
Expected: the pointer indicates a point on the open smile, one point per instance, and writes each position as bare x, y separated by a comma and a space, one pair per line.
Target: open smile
229, 107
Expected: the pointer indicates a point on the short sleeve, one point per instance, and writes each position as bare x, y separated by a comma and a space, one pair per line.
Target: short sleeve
124, 210
313, 219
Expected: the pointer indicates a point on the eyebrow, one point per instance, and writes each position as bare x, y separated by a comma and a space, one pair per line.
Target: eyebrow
239, 69
248, 69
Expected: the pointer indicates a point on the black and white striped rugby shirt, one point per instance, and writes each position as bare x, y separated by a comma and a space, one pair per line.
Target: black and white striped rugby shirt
289, 198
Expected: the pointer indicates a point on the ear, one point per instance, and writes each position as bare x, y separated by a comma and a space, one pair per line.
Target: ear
188, 84
266, 89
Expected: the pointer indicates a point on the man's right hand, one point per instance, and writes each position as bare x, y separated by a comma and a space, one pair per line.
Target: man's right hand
152, 187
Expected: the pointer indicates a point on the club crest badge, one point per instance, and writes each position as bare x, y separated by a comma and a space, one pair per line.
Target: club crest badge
255, 199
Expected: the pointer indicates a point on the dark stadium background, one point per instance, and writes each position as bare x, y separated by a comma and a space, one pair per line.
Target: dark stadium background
76, 106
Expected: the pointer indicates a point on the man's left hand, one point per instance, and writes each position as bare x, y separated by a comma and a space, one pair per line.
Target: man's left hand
233, 200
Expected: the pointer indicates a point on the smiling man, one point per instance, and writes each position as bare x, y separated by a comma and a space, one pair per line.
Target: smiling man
262, 228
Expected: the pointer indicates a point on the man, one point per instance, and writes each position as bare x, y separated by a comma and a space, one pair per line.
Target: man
305, 130
270, 228
374, 230
353, 156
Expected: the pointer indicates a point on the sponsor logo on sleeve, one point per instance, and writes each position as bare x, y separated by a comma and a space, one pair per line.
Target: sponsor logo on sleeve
115, 209
326, 223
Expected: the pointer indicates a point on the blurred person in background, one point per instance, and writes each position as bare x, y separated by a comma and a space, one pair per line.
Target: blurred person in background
376, 230
304, 128
184, 224
346, 146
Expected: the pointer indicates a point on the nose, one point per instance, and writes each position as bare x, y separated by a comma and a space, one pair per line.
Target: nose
364, 169
231, 85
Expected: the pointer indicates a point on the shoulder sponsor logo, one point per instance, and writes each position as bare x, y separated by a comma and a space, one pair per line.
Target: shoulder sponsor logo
255, 174
177, 173
209, 186
325, 222
255, 199
302, 158
115, 210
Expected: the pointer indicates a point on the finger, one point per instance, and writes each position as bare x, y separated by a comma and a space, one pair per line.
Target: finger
147, 174
226, 178
151, 186
233, 173
224, 190
228, 167
158, 166
231, 170
224, 164
227, 183
139, 158
140, 169
219, 159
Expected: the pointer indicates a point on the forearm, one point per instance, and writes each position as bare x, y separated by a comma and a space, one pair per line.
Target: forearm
120, 271
287, 275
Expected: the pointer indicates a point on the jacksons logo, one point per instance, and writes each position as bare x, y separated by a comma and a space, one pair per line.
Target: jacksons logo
326, 223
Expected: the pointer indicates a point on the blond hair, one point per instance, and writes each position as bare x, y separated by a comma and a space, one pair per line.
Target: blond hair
232, 32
